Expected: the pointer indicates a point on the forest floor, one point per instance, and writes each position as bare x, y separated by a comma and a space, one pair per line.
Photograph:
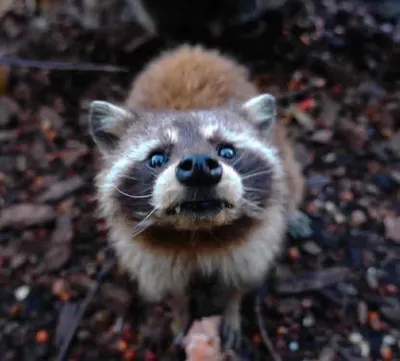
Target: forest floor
335, 294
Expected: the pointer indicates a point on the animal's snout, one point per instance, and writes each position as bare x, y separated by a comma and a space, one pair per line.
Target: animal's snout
199, 171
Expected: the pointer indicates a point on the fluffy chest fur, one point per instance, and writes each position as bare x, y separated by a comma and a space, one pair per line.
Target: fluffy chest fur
160, 273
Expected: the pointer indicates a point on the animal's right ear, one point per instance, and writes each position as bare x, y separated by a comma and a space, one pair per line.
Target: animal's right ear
262, 111
107, 122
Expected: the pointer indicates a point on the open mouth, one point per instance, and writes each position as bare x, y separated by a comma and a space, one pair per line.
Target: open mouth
200, 208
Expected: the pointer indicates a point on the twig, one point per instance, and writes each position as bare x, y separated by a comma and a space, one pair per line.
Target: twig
264, 335
78, 312
60, 65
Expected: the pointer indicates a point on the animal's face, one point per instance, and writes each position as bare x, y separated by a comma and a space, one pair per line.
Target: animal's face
187, 170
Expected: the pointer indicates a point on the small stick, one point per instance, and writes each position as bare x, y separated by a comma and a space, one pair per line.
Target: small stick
60, 65
264, 335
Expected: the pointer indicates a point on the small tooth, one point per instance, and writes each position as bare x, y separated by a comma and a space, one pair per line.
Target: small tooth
178, 209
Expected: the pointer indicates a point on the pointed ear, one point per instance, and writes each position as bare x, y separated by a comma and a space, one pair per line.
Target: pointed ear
107, 122
261, 110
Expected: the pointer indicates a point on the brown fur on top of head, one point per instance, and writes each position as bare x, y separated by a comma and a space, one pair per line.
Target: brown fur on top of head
190, 77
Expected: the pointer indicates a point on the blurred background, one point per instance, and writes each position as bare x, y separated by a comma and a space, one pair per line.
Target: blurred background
334, 64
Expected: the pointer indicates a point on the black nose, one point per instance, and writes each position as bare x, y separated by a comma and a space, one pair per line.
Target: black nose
199, 171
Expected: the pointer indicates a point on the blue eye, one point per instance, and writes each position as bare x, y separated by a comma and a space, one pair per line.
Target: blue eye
226, 151
157, 160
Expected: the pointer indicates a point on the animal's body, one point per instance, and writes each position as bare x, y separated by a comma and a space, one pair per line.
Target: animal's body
191, 183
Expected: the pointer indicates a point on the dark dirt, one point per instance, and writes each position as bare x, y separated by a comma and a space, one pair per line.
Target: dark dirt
335, 293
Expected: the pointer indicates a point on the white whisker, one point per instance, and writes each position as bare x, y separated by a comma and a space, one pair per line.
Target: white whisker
253, 205
127, 177
253, 189
141, 224
132, 196
237, 160
251, 175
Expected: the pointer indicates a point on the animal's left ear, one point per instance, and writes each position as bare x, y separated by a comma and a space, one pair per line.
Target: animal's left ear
107, 122
261, 110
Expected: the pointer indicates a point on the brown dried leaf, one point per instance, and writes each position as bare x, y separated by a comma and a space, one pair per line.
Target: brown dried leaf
57, 256
313, 280
61, 189
26, 214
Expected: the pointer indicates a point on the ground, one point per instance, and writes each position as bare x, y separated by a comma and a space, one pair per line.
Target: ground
335, 293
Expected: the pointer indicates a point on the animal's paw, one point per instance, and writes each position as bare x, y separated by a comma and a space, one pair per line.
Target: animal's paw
231, 336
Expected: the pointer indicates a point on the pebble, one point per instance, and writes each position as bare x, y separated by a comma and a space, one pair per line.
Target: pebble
293, 346
18, 260
22, 292
317, 181
392, 228
388, 340
330, 158
358, 218
365, 348
327, 354
21, 163
300, 225
312, 248
362, 312
386, 353
372, 277
7, 135
339, 218
49, 115
330, 207
355, 338
308, 321
59, 286
42, 336
395, 174
83, 335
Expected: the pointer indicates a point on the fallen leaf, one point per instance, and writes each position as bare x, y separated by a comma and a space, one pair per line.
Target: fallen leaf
313, 280
59, 190
26, 214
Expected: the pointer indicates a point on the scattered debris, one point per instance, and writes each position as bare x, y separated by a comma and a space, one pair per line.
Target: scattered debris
335, 75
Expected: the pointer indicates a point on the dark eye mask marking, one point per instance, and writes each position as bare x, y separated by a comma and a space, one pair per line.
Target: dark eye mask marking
256, 176
137, 184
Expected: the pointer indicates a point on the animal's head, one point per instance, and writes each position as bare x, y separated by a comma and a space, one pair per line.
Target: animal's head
188, 170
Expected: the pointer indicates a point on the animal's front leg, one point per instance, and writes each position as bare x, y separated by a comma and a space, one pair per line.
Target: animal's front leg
180, 315
231, 323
